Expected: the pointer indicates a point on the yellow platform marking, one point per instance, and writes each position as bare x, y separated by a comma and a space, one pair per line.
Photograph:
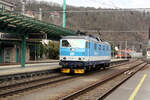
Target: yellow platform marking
65, 70
137, 88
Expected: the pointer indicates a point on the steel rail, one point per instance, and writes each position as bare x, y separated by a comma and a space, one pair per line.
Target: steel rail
12, 89
93, 86
17, 88
9, 77
111, 90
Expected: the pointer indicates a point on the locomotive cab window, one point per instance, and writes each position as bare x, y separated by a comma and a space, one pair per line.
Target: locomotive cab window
73, 43
65, 43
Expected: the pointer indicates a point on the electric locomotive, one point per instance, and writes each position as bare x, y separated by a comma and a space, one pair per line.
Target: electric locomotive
83, 53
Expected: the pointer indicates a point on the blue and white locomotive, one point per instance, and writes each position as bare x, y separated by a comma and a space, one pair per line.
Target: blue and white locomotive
82, 53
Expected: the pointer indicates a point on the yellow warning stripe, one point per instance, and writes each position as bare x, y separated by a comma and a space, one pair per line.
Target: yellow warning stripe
137, 88
79, 71
65, 70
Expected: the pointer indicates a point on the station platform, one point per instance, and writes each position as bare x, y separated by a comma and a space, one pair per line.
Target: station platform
15, 69
136, 88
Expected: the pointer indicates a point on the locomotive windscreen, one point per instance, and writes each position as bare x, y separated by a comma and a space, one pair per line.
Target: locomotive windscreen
74, 43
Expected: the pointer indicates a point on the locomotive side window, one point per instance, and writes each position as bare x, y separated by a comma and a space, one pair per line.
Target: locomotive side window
87, 44
107, 48
99, 47
95, 46
103, 47
65, 43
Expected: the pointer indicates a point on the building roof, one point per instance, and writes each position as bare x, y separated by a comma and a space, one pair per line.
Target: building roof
7, 2
13, 23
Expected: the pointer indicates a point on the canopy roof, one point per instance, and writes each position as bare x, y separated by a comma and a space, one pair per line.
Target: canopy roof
11, 22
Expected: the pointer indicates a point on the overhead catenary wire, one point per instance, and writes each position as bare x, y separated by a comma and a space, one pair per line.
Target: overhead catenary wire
83, 11
116, 8
113, 31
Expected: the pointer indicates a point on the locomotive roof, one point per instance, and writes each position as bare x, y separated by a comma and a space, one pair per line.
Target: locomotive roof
84, 37
79, 37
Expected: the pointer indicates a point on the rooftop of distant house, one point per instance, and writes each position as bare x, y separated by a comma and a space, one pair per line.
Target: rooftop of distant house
9, 2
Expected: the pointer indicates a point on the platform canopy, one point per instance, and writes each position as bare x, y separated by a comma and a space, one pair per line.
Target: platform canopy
23, 28
11, 22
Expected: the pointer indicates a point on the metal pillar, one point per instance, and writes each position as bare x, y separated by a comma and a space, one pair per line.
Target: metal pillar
40, 13
120, 50
23, 51
35, 52
126, 43
1, 59
113, 45
23, 8
64, 14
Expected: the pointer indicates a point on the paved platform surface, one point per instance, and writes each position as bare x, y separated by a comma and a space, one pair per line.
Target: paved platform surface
14, 69
136, 88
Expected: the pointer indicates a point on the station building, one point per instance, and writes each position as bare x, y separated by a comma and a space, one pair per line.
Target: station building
10, 44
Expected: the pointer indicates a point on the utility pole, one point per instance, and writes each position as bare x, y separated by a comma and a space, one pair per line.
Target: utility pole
64, 14
40, 14
113, 50
120, 50
23, 8
126, 48
133, 48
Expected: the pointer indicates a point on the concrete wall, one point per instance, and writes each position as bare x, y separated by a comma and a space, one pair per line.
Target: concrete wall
12, 54
27, 53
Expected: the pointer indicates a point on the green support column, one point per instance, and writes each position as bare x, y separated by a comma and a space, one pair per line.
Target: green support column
1, 54
35, 52
23, 51
64, 14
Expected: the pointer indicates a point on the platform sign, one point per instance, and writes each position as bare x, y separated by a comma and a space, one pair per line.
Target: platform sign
18, 37
9, 36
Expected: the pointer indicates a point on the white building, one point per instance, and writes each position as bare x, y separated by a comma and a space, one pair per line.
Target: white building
5, 4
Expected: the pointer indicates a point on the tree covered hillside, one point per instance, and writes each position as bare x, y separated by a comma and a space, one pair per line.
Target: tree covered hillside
114, 25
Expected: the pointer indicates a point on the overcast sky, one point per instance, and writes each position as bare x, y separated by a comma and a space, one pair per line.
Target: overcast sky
106, 3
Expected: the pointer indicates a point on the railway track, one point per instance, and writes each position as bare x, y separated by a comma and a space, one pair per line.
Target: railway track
27, 85
84, 93
19, 87
20, 76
